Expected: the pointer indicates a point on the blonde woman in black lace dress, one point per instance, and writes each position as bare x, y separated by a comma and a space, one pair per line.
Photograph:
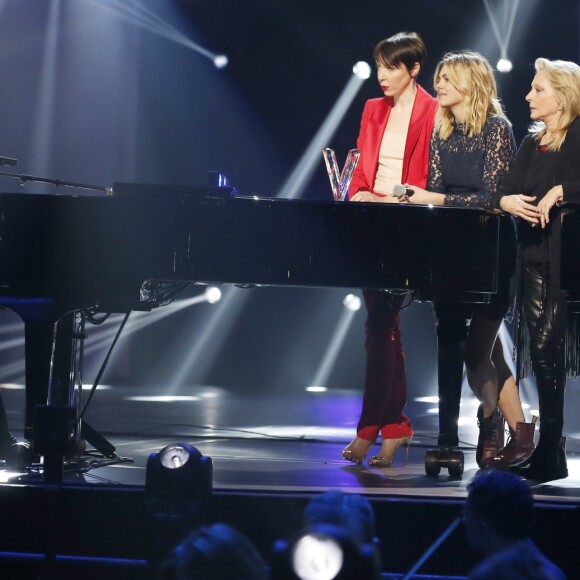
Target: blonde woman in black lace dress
472, 147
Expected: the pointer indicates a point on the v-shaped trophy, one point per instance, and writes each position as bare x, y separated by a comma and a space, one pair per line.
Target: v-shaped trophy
340, 182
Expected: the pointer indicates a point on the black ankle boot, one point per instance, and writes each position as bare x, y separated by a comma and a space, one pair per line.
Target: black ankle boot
548, 462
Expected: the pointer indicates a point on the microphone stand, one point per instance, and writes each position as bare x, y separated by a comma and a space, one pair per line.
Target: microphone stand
56, 182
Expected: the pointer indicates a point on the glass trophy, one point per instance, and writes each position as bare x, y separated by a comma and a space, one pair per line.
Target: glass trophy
340, 184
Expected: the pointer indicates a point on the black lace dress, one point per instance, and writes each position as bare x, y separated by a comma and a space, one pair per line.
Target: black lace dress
469, 172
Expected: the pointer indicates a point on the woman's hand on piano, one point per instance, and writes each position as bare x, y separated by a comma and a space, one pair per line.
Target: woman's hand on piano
363, 196
521, 206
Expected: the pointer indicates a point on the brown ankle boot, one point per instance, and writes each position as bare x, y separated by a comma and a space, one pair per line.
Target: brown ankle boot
487, 443
519, 448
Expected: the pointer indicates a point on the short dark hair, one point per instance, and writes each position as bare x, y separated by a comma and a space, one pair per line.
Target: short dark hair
503, 501
407, 48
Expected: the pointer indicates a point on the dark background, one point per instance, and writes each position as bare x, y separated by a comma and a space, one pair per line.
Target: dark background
89, 96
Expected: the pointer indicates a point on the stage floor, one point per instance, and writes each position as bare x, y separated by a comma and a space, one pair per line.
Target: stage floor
275, 442
271, 452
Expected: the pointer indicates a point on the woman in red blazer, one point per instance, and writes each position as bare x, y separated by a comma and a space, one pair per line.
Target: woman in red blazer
394, 149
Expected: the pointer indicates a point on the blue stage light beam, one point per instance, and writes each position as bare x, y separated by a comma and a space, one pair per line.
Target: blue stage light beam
502, 26
502, 17
100, 337
312, 156
198, 354
45, 105
352, 304
140, 15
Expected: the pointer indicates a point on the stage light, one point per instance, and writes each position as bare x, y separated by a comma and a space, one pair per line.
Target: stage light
317, 557
362, 70
502, 23
178, 482
316, 389
174, 456
352, 302
213, 294
504, 65
220, 61
324, 552
429, 399
140, 15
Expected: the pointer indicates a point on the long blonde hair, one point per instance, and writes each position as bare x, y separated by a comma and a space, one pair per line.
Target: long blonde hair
472, 75
564, 78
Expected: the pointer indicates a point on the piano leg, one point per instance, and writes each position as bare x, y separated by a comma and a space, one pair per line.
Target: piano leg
54, 421
38, 337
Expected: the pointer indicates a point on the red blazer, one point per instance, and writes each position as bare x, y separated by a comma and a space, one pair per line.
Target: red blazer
416, 157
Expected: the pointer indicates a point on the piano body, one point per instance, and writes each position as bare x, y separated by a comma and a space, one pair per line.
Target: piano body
570, 261
62, 254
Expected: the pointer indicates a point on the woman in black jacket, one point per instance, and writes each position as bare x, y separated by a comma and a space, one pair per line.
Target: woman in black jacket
544, 177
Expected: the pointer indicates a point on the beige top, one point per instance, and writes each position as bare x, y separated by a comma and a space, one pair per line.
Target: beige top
390, 167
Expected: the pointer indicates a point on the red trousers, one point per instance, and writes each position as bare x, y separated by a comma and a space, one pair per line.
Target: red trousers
385, 393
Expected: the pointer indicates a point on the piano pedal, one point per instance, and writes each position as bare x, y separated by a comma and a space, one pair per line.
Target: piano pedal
444, 457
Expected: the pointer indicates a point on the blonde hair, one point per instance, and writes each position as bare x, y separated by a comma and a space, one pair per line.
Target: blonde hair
564, 78
472, 75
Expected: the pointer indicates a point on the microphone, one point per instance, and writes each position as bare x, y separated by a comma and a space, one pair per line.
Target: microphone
400, 191
8, 161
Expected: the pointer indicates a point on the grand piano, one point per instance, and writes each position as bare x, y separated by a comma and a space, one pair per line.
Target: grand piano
64, 254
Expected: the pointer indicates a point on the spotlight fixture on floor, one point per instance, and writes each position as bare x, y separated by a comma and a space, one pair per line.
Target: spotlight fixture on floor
324, 552
178, 482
